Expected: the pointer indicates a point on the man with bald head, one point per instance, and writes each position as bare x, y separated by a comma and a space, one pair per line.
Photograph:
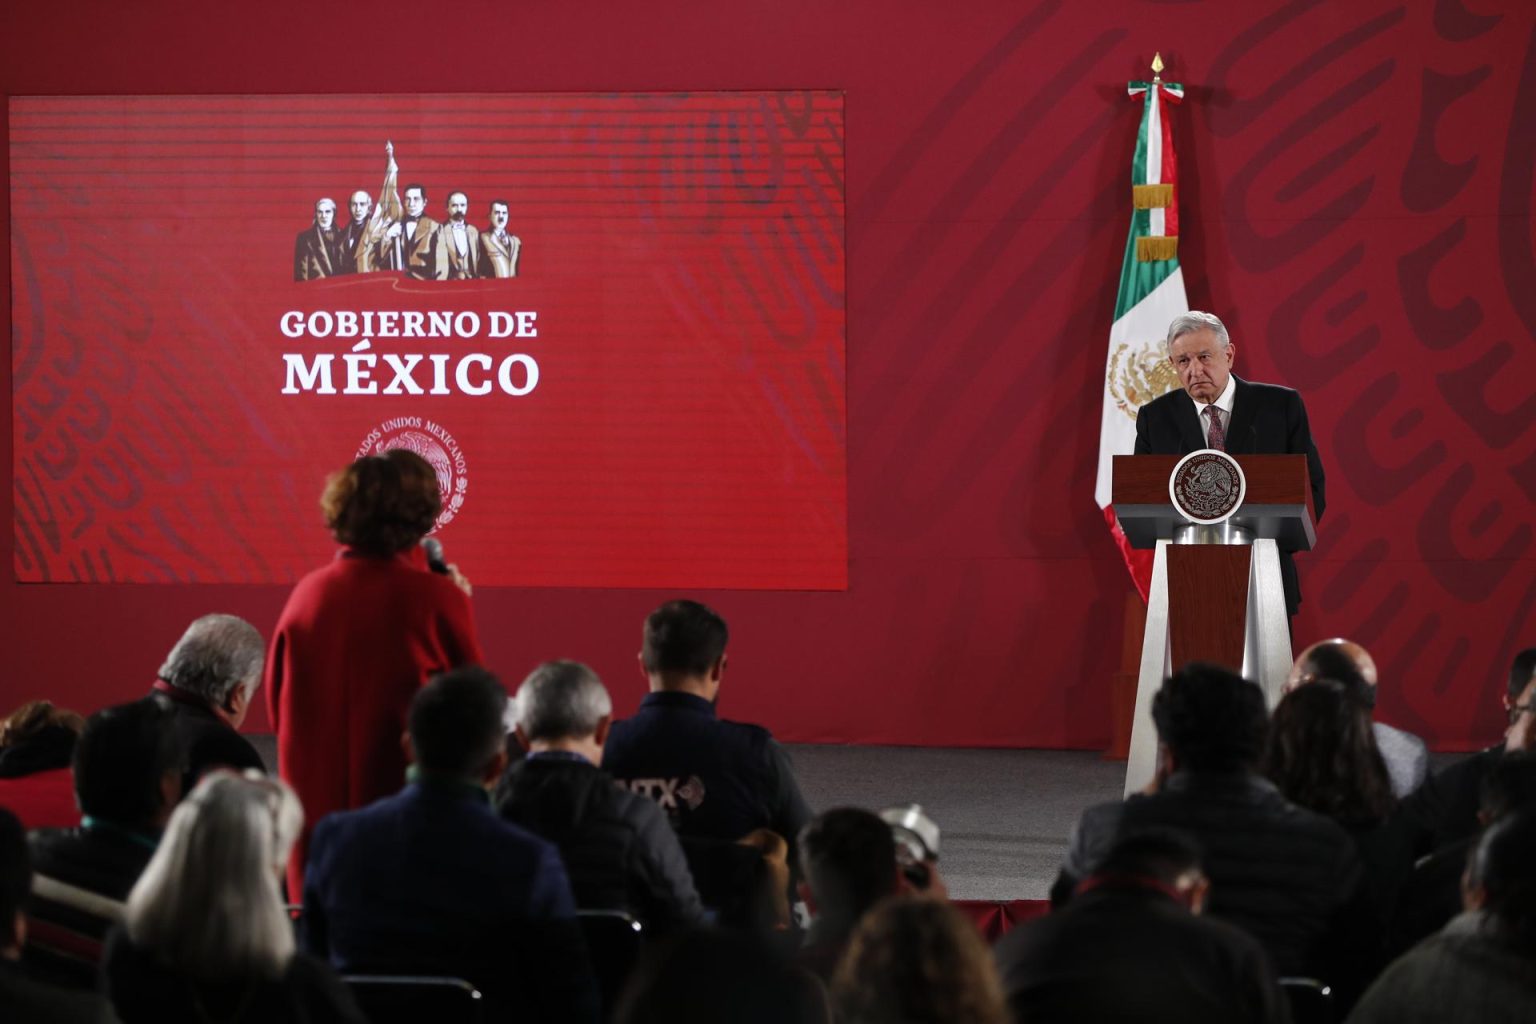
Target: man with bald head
1343, 661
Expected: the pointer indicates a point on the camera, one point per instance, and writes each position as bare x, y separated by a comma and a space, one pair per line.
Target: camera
917, 843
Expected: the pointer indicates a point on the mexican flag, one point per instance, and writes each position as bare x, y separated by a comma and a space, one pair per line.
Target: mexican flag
1151, 295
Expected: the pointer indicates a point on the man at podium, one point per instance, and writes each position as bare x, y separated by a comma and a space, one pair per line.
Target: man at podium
1217, 409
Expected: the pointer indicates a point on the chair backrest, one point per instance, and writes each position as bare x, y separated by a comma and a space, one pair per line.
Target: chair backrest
1311, 1000
416, 999
613, 939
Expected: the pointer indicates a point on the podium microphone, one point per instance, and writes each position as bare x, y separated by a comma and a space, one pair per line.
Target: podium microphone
434, 549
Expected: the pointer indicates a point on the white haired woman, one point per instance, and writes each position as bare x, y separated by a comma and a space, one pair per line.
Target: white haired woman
206, 936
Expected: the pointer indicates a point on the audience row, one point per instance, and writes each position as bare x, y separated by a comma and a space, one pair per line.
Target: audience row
1310, 845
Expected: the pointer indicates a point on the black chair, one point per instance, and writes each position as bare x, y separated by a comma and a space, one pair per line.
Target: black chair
414, 999
613, 939
1311, 1000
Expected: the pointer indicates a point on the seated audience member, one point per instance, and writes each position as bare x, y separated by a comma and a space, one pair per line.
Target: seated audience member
37, 741
1322, 754
37, 737
1482, 967
847, 865
206, 936
618, 849
1287, 876
431, 881
705, 976
209, 678
1432, 895
919, 961
1132, 947
23, 998
715, 779
127, 770
1445, 808
1404, 754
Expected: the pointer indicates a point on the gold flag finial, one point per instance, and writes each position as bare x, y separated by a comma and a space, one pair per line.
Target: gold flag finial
1157, 66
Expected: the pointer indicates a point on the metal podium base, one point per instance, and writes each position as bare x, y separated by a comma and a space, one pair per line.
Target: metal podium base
1266, 646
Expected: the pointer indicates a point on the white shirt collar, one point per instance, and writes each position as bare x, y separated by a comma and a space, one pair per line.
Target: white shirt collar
1225, 400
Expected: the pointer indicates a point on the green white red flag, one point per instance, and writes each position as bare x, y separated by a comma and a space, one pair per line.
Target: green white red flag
1151, 295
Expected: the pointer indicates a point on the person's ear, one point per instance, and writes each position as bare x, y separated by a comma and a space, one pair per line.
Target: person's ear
494, 770
406, 748
600, 734
803, 890
718, 668
238, 703
1231, 352
522, 737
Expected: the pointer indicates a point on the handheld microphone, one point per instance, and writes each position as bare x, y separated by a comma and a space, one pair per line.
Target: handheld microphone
434, 549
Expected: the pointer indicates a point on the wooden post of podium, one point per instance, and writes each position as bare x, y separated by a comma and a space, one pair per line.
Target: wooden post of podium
1216, 590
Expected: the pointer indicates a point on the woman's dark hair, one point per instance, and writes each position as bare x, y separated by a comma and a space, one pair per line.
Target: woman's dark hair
920, 961
1323, 756
37, 737
382, 504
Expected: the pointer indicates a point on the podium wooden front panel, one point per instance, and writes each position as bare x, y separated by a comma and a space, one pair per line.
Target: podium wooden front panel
1208, 584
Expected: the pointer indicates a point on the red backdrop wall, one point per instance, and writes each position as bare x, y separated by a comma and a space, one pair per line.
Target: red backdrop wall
1357, 203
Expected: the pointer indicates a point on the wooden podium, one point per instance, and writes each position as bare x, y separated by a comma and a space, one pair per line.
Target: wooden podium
1216, 590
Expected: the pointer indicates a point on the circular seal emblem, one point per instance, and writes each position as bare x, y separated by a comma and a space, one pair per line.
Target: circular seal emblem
432, 442
1207, 486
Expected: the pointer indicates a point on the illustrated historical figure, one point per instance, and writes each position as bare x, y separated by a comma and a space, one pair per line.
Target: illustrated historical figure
314, 251
350, 239
458, 241
499, 249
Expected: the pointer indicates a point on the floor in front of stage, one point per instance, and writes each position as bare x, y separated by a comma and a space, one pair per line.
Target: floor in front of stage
1004, 815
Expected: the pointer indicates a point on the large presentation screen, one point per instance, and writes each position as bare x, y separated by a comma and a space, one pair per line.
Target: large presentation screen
614, 324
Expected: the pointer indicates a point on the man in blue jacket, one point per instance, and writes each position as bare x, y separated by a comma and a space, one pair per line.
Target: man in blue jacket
432, 881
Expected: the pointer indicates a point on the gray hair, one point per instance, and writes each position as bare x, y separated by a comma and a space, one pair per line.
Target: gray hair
562, 699
208, 904
216, 654
1195, 320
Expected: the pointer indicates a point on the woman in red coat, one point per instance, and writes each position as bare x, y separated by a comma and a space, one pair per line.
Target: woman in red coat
359, 637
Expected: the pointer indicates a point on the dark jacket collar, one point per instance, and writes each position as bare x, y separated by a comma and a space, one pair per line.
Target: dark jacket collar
185, 698
424, 786
678, 700
1242, 783
1240, 430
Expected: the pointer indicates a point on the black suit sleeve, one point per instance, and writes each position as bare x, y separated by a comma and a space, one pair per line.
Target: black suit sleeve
1299, 441
1143, 446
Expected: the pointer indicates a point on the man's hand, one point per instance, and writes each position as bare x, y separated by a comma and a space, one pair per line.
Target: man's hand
394, 230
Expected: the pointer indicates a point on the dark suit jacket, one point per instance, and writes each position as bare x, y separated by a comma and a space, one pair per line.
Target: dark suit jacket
313, 256
431, 881
1266, 420
1122, 953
